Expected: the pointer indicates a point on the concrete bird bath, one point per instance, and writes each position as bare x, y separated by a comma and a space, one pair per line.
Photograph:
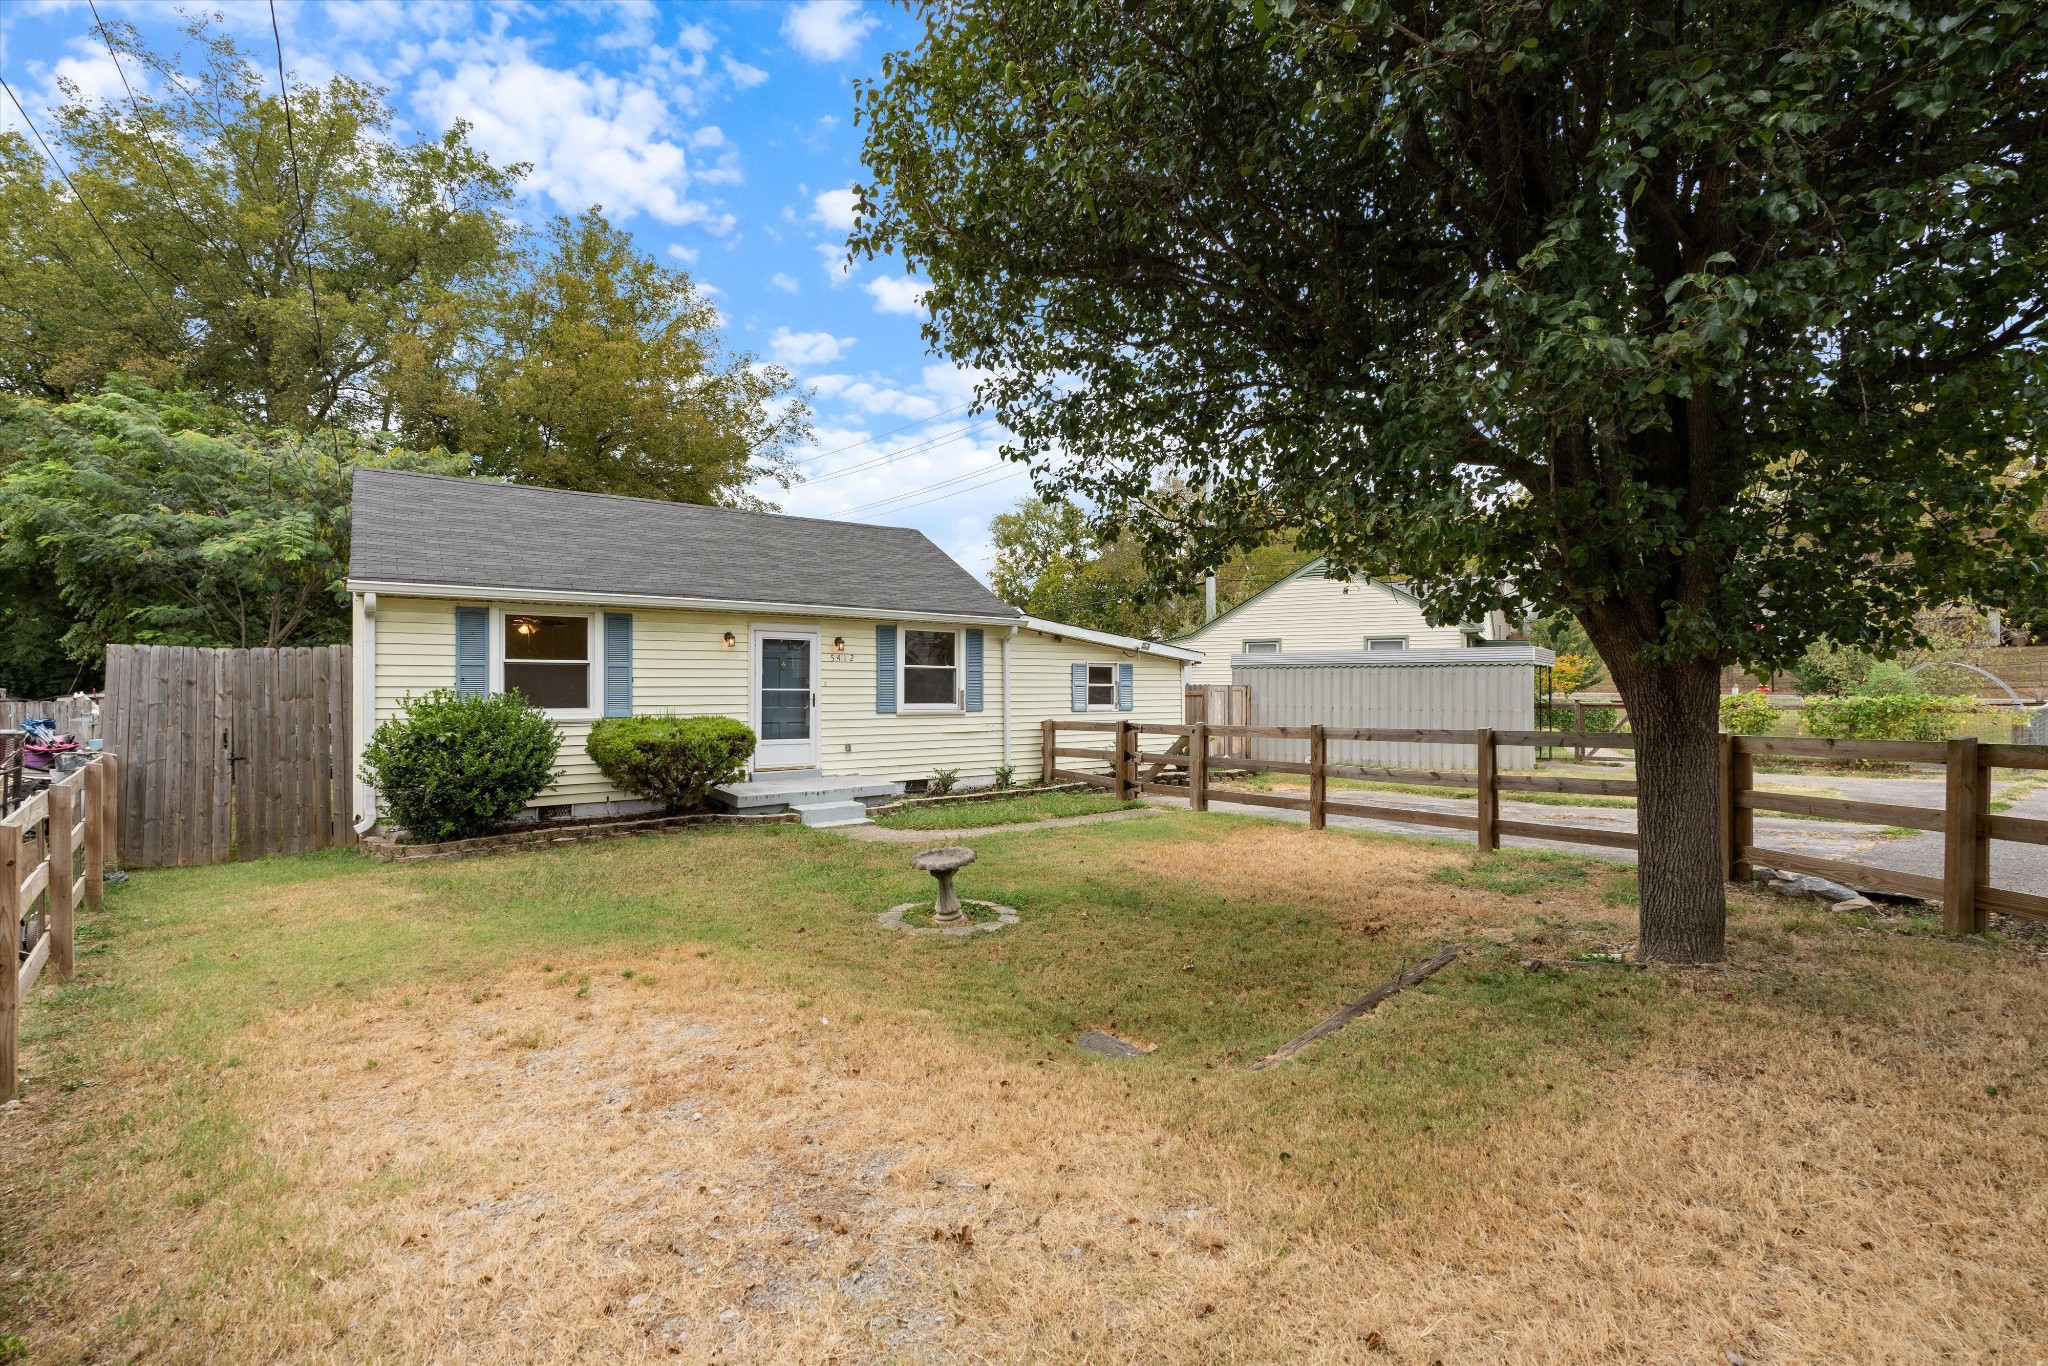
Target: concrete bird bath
942, 864
949, 913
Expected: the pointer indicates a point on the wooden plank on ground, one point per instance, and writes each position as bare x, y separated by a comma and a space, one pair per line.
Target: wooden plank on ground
1402, 980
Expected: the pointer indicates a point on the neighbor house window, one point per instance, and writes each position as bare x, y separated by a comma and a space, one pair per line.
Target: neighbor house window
1262, 647
931, 669
1386, 642
547, 660
1102, 686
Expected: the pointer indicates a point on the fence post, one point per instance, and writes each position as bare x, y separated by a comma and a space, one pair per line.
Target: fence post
1579, 730
1045, 756
1198, 767
1489, 795
110, 808
1318, 777
1744, 819
1123, 761
10, 977
95, 834
1729, 849
1981, 837
63, 816
1959, 912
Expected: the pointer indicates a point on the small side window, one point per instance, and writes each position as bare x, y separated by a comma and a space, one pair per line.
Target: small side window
1262, 647
1386, 642
1102, 686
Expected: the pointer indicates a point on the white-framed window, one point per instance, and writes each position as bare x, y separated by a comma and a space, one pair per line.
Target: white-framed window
1102, 687
1261, 647
549, 657
1386, 642
929, 672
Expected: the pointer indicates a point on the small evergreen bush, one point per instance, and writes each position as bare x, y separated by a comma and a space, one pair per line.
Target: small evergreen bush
1748, 713
450, 767
674, 760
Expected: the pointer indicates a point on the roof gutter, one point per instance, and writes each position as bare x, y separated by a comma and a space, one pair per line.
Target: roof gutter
546, 595
1149, 647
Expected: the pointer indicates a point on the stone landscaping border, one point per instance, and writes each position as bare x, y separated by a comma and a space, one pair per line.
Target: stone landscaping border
387, 850
979, 795
892, 919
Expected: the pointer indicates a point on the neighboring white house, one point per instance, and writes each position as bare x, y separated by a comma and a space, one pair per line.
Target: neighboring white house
1310, 611
860, 653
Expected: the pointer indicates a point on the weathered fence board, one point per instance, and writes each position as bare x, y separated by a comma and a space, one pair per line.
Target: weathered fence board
235, 753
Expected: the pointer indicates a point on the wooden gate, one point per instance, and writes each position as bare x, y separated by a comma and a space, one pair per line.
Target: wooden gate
230, 754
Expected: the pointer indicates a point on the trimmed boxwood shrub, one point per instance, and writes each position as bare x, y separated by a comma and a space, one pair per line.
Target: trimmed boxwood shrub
450, 767
674, 760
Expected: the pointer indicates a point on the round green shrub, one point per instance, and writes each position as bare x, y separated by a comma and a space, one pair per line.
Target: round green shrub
451, 767
1748, 713
674, 760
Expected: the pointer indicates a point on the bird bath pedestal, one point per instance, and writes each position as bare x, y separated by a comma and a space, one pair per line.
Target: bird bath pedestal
942, 864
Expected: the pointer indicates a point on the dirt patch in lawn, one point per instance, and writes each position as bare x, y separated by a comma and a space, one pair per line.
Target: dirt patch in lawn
682, 1164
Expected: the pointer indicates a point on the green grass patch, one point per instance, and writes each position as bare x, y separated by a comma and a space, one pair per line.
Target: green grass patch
1517, 872
1018, 810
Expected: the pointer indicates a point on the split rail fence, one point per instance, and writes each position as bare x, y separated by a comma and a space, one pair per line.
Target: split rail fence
1965, 820
53, 854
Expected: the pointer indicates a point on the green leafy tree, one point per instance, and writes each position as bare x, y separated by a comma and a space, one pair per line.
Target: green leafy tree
610, 376
166, 519
1052, 562
1717, 327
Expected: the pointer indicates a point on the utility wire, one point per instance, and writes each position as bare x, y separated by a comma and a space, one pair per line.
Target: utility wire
913, 449
1009, 472
126, 269
871, 440
928, 488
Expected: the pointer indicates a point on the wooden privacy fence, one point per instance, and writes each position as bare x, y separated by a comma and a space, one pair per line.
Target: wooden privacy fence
1967, 824
229, 753
53, 851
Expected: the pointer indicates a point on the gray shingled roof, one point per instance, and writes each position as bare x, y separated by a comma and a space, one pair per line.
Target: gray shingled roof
429, 529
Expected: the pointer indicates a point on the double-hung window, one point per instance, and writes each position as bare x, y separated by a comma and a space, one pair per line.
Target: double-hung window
931, 670
1102, 687
546, 660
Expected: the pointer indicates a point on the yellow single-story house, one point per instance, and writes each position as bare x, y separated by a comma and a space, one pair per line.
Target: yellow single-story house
863, 657
1313, 609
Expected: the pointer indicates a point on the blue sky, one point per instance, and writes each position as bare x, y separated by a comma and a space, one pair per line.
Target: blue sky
720, 134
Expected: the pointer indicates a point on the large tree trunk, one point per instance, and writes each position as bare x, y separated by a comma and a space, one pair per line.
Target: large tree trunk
1674, 710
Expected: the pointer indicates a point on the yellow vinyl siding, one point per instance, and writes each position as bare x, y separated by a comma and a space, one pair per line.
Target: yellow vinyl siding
681, 667
1314, 613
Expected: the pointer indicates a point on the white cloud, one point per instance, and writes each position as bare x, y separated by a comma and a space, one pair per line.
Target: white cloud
835, 209
696, 38
743, 77
837, 266
894, 294
636, 25
786, 283
807, 348
826, 30
592, 138
687, 255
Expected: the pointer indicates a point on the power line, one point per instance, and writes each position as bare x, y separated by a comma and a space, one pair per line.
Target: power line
291, 138
1008, 472
100, 27
871, 440
105, 236
913, 449
927, 488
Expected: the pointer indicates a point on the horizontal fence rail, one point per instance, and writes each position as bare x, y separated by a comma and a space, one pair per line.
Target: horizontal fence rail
53, 853
1136, 762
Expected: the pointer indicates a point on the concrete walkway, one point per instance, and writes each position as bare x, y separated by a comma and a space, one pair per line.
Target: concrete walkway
883, 835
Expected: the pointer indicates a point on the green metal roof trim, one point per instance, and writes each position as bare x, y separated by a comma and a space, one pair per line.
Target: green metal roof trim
1316, 568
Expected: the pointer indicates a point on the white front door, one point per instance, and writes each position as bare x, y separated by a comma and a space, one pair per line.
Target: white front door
785, 698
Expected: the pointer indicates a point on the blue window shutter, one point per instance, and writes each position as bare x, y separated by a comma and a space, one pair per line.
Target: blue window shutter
1126, 684
1080, 687
973, 671
885, 668
618, 664
472, 651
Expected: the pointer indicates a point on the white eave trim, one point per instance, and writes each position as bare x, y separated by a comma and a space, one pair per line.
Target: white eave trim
1150, 647
480, 593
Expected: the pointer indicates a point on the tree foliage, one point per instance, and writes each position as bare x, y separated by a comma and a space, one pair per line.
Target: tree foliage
1052, 562
1717, 326
166, 519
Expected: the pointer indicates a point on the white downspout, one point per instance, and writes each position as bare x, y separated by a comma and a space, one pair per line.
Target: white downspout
1006, 695
366, 712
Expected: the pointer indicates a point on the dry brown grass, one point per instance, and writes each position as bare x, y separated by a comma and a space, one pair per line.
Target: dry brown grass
708, 1166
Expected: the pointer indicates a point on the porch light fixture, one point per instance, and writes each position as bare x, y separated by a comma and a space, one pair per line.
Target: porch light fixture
839, 642
731, 640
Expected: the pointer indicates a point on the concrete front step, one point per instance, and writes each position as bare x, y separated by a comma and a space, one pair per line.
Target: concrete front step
827, 814
764, 796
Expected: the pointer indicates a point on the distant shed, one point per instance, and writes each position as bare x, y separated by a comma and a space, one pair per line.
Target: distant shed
1493, 686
